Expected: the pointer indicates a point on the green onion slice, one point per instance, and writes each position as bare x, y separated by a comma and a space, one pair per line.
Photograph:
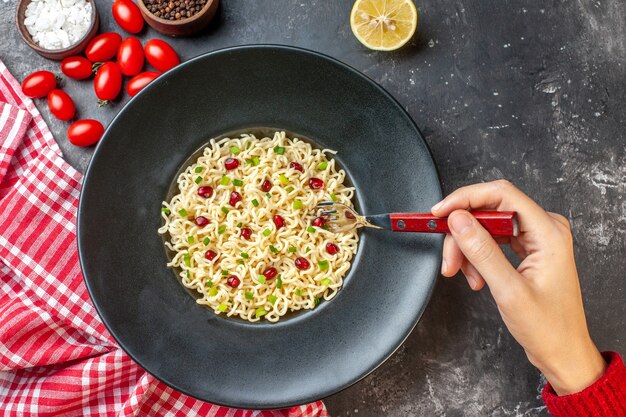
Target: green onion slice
187, 259
190, 239
244, 255
239, 224
273, 249
255, 203
279, 150
241, 262
249, 295
237, 183
166, 211
268, 195
235, 150
261, 279
316, 300
310, 229
182, 212
283, 180
260, 312
279, 282
198, 170
297, 204
323, 265
206, 241
289, 189
272, 299
209, 284
225, 180
221, 230
213, 292
256, 161
224, 271
333, 197
326, 282
293, 249
298, 292
199, 179
225, 210
222, 307
267, 232
322, 166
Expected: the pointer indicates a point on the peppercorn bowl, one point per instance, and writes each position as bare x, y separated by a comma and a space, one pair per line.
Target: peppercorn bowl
178, 17
56, 54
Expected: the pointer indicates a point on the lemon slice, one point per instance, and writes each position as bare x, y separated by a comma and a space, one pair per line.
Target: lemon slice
383, 25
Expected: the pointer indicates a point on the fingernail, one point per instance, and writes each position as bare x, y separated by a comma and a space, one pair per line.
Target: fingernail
460, 222
437, 206
471, 281
444, 267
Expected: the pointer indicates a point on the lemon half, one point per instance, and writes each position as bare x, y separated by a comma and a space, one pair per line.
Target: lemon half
383, 25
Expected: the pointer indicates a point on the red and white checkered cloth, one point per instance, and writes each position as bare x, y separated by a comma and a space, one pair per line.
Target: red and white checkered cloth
56, 356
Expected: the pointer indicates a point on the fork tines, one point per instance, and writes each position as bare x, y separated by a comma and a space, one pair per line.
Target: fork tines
325, 203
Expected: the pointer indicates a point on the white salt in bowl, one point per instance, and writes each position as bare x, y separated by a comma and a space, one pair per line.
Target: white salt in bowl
56, 54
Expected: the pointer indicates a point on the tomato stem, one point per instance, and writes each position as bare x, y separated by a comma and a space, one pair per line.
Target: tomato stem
102, 103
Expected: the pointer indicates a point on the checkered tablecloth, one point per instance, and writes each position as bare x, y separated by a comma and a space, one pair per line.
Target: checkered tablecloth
56, 356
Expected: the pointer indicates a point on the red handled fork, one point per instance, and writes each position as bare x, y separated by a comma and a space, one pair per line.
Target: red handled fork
339, 217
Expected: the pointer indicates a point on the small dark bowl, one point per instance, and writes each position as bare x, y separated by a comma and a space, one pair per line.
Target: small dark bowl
56, 54
184, 27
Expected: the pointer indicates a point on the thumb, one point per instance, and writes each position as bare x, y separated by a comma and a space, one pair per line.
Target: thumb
481, 250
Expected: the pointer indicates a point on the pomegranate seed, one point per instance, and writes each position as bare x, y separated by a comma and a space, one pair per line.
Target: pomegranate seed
319, 221
266, 186
246, 233
210, 255
231, 163
279, 221
270, 272
316, 183
205, 191
331, 248
296, 166
233, 281
302, 263
202, 221
235, 198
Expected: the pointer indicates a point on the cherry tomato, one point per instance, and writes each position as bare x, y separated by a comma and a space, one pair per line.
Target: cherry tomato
138, 82
130, 57
127, 15
161, 55
76, 67
39, 84
61, 105
108, 82
85, 132
103, 47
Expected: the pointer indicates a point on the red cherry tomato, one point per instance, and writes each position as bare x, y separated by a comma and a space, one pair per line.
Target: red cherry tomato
127, 15
138, 82
39, 84
108, 82
130, 57
85, 132
103, 47
161, 55
76, 67
61, 105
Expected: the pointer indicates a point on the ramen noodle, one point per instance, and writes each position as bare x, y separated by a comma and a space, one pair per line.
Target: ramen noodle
243, 230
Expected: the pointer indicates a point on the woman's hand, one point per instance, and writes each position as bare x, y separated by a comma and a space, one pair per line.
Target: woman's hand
540, 301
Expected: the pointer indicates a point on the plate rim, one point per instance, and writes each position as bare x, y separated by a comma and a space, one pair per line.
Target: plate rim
294, 49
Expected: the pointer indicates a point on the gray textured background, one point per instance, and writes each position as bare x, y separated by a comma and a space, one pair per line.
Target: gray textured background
526, 90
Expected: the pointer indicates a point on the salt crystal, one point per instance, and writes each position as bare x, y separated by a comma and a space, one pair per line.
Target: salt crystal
57, 24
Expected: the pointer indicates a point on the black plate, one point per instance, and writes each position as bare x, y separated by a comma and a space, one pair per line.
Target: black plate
309, 355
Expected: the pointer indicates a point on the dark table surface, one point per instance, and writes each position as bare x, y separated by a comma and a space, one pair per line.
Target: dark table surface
530, 91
